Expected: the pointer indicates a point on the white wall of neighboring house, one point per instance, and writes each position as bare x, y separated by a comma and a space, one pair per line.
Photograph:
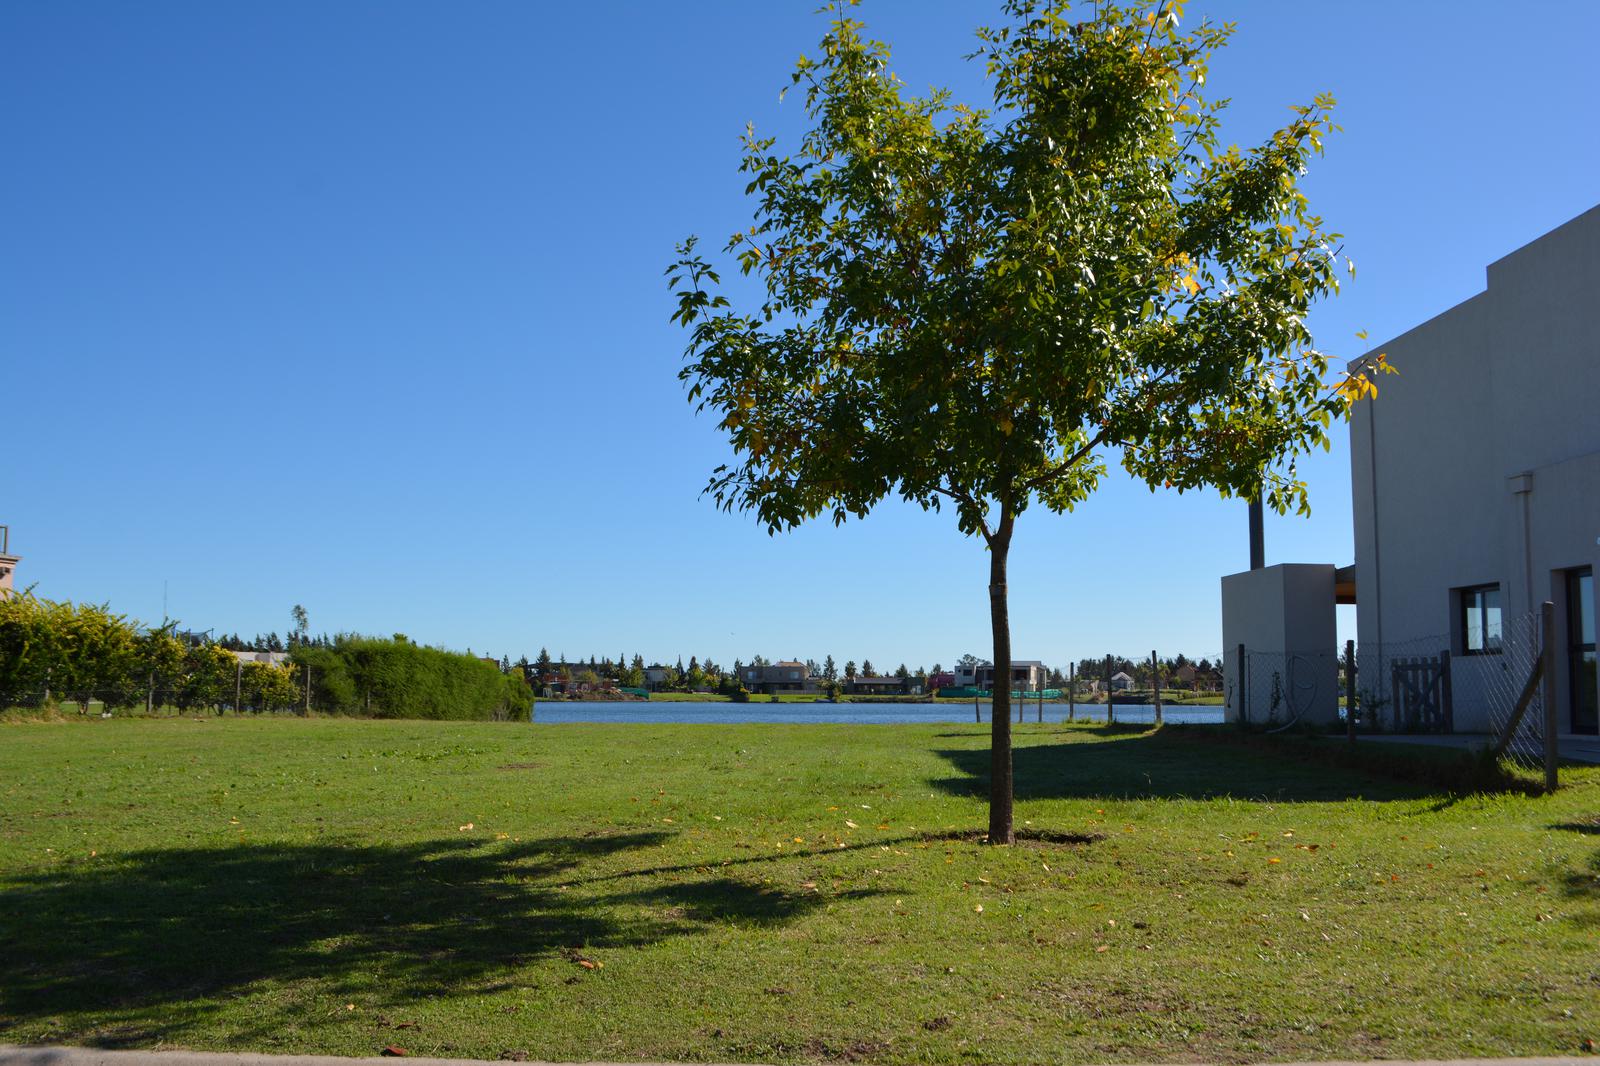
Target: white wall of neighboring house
271, 658
1479, 462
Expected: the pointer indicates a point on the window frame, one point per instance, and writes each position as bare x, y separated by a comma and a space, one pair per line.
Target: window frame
1464, 608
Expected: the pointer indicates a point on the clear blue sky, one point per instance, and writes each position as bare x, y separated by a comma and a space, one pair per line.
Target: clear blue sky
359, 305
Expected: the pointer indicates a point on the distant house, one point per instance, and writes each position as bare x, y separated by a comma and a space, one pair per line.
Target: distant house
8, 562
271, 658
1121, 682
875, 686
786, 676
942, 679
655, 676
1191, 676
1027, 675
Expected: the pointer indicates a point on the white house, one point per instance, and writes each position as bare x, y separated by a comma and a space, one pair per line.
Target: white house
1027, 675
1476, 476
270, 658
1121, 682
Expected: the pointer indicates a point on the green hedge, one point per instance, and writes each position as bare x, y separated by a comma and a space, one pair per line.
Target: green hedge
398, 679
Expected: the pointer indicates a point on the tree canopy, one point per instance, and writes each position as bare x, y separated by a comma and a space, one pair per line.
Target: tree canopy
982, 307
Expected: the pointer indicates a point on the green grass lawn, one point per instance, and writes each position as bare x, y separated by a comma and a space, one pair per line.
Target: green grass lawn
775, 893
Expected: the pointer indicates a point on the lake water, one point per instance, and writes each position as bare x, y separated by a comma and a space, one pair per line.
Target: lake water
850, 713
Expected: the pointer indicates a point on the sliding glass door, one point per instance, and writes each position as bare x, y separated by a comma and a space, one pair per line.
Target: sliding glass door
1581, 653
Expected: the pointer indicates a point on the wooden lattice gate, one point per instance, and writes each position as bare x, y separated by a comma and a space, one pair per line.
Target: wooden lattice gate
1421, 688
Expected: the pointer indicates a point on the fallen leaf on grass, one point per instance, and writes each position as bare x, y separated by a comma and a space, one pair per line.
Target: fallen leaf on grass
464, 828
394, 1051
978, 908
851, 824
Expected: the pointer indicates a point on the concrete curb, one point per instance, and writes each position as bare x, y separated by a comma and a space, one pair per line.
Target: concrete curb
11, 1055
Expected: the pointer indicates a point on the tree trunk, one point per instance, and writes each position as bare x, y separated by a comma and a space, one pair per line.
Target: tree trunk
1000, 770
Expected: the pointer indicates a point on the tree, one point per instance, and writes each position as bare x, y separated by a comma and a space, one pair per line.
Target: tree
969, 663
161, 665
850, 670
979, 308
830, 671
302, 624
866, 667
543, 663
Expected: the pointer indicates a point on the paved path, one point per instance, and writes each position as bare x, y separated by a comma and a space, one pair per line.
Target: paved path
75, 1056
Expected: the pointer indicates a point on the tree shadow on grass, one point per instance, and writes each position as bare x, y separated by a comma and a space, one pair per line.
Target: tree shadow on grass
161, 928
1584, 885
1137, 762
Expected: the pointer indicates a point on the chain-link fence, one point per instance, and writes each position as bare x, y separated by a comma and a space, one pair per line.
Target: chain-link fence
1416, 686
1279, 689
105, 702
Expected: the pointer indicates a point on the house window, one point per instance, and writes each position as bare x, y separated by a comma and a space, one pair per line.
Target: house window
1480, 620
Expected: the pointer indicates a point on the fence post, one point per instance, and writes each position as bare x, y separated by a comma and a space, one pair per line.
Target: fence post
1243, 687
1447, 700
308, 690
1155, 674
150, 694
977, 715
1547, 623
1072, 691
1350, 690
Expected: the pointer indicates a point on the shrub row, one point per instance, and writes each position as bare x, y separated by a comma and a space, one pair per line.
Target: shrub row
77, 653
